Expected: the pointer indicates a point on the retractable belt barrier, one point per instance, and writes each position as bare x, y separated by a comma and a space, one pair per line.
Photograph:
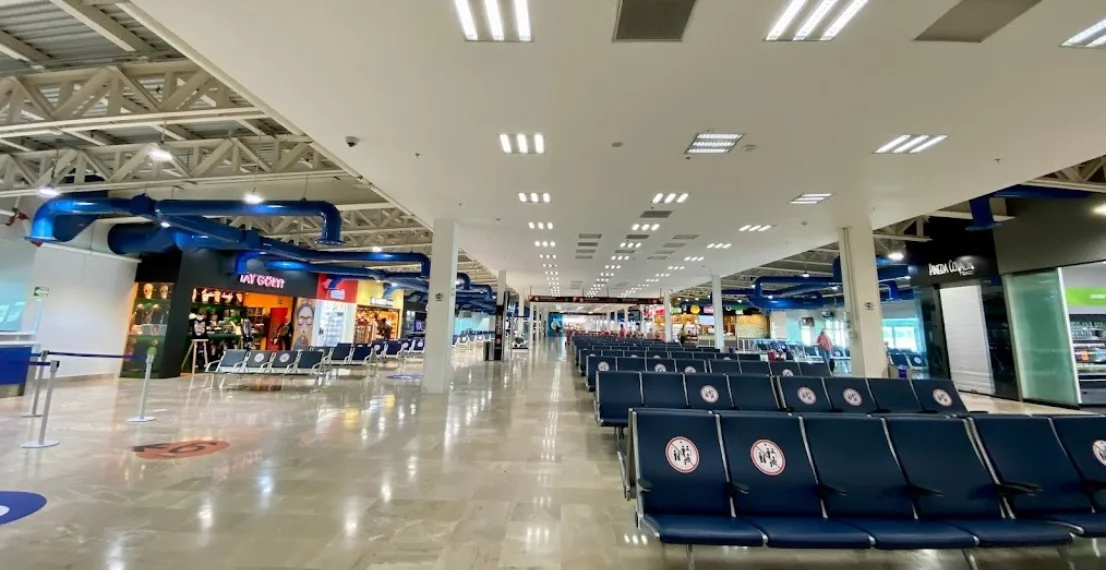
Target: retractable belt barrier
53, 365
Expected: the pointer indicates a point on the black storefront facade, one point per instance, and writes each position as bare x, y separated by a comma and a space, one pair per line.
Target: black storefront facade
161, 322
961, 304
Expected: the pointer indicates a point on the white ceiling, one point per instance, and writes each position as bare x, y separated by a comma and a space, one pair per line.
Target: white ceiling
428, 107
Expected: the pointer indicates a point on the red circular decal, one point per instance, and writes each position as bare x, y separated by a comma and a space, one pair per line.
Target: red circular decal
767, 457
682, 454
180, 449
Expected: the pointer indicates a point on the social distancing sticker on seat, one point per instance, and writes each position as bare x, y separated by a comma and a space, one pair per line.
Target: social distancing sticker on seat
787, 372
709, 394
180, 449
285, 358
603, 367
1098, 448
15, 505
942, 397
767, 457
660, 368
852, 397
807, 396
690, 370
682, 455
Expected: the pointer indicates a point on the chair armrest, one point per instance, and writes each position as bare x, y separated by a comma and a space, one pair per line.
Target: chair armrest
215, 364
739, 489
1094, 485
920, 491
1015, 488
644, 485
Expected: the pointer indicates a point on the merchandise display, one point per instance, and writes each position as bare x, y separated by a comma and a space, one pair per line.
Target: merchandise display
147, 328
375, 323
1088, 337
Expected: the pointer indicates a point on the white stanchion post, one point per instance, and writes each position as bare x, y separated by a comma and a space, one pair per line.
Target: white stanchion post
42, 441
142, 417
33, 413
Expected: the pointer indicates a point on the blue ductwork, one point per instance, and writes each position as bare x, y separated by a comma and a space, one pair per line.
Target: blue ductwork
332, 218
63, 218
282, 249
886, 269
1031, 192
983, 218
334, 270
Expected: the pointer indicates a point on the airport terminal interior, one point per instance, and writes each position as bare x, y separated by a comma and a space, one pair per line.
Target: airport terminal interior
527, 284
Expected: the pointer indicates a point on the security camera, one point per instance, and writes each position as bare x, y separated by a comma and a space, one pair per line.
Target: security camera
352, 141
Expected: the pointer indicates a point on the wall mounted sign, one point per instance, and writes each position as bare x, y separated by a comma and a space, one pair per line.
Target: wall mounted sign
332, 289
381, 302
180, 449
962, 267
953, 269
1085, 296
261, 280
597, 300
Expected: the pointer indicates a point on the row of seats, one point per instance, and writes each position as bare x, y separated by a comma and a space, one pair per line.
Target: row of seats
288, 362
348, 354
597, 364
858, 482
619, 392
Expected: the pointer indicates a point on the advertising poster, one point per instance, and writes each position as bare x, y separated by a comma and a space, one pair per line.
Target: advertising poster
304, 323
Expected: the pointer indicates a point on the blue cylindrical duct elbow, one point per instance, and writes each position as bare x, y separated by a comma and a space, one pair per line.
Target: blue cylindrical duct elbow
745, 292
1031, 192
983, 218
332, 270
127, 239
62, 219
332, 218
464, 281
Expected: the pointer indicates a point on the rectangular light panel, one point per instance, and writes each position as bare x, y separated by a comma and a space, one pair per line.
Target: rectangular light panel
494, 20
705, 143
910, 144
521, 143
809, 199
813, 20
1092, 37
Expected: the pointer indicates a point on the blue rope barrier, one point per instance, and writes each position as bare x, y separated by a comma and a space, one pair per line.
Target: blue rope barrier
86, 354
32, 363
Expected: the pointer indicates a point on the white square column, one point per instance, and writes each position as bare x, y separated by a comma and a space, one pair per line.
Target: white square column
438, 359
716, 302
861, 290
667, 315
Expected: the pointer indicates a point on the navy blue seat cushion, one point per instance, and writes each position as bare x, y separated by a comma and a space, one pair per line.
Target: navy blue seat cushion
663, 390
616, 393
892, 395
810, 532
708, 392
804, 394
1003, 533
753, 392
725, 367
708, 530
897, 534
849, 395
1090, 525
689, 366
679, 460
1084, 438
938, 396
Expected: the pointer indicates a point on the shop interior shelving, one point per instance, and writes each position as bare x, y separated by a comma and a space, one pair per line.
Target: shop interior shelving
1088, 334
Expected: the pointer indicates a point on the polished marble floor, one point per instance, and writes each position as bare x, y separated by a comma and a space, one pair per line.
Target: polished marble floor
506, 471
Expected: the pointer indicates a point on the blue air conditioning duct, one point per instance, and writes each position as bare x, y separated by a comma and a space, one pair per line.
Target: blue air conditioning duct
332, 218
886, 269
63, 218
281, 249
333, 270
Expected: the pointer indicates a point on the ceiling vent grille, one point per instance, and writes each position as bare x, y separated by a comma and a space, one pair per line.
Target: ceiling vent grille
637, 236
583, 257
657, 257
652, 20
674, 244
576, 284
972, 21
585, 251
665, 251
685, 237
591, 236
656, 214
588, 244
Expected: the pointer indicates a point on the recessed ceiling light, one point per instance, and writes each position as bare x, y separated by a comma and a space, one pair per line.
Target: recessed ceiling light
719, 245
533, 198
675, 267
708, 143
694, 258
814, 17
658, 198
682, 198
809, 199
1091, 37
895, 256
522, 144
497, 13
755, 228
912, 144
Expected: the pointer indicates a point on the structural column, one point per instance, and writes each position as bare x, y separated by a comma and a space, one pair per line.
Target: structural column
716, 302
438, 359
501, 297
531, 334
667, 315
861, 290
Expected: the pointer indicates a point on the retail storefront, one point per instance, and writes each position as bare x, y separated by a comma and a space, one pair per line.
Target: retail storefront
1052, 257
377, 316
335, 311
194, 296
962, 305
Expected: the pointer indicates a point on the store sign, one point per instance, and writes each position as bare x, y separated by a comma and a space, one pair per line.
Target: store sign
962, 267
333, 289
1085, 296
261, 280
597, 300
381, 302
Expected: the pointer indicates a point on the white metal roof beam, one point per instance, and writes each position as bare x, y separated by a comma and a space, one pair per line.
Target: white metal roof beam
16, 49
102, 24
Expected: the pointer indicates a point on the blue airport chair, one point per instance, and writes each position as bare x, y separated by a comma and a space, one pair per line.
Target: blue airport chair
615, 393
814, 369
803, 394
939, 396
755, 367
708, 392
849, 395
683, 494
894, 396
1036, 474
632, 364
861, 484
687, 366
774, 486
725, 367
950, 484
753, 392
749, 357
596, 364
1084, 438
784, 368
660, 365
663, 390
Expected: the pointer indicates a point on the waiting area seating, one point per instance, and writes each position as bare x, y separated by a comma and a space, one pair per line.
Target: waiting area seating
311, 363
853, 481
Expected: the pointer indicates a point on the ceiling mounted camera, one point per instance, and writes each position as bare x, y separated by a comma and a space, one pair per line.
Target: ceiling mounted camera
352, 141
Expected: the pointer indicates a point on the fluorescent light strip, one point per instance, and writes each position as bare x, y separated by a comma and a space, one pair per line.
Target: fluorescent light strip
814, 19
534, 197
929, 143
887, 147
523, 147
505, 143
843, 20
1087, 34
539, 143
657, 199
910, 144
785, 20
545, 197
669, 198
679, 200
707, 150
495, 19
522, 21
713, 144
719, 136
464, 14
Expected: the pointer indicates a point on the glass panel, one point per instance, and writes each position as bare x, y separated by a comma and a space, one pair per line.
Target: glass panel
1040, 333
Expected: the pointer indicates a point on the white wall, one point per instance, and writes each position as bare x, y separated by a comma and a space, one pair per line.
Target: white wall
88, 308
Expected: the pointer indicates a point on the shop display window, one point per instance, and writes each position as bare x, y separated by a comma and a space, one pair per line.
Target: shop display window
147, 328
375, 323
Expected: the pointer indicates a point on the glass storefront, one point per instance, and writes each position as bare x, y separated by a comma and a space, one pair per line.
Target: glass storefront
1039, 321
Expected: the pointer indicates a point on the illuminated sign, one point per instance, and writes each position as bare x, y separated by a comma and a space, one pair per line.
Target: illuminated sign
261, 280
